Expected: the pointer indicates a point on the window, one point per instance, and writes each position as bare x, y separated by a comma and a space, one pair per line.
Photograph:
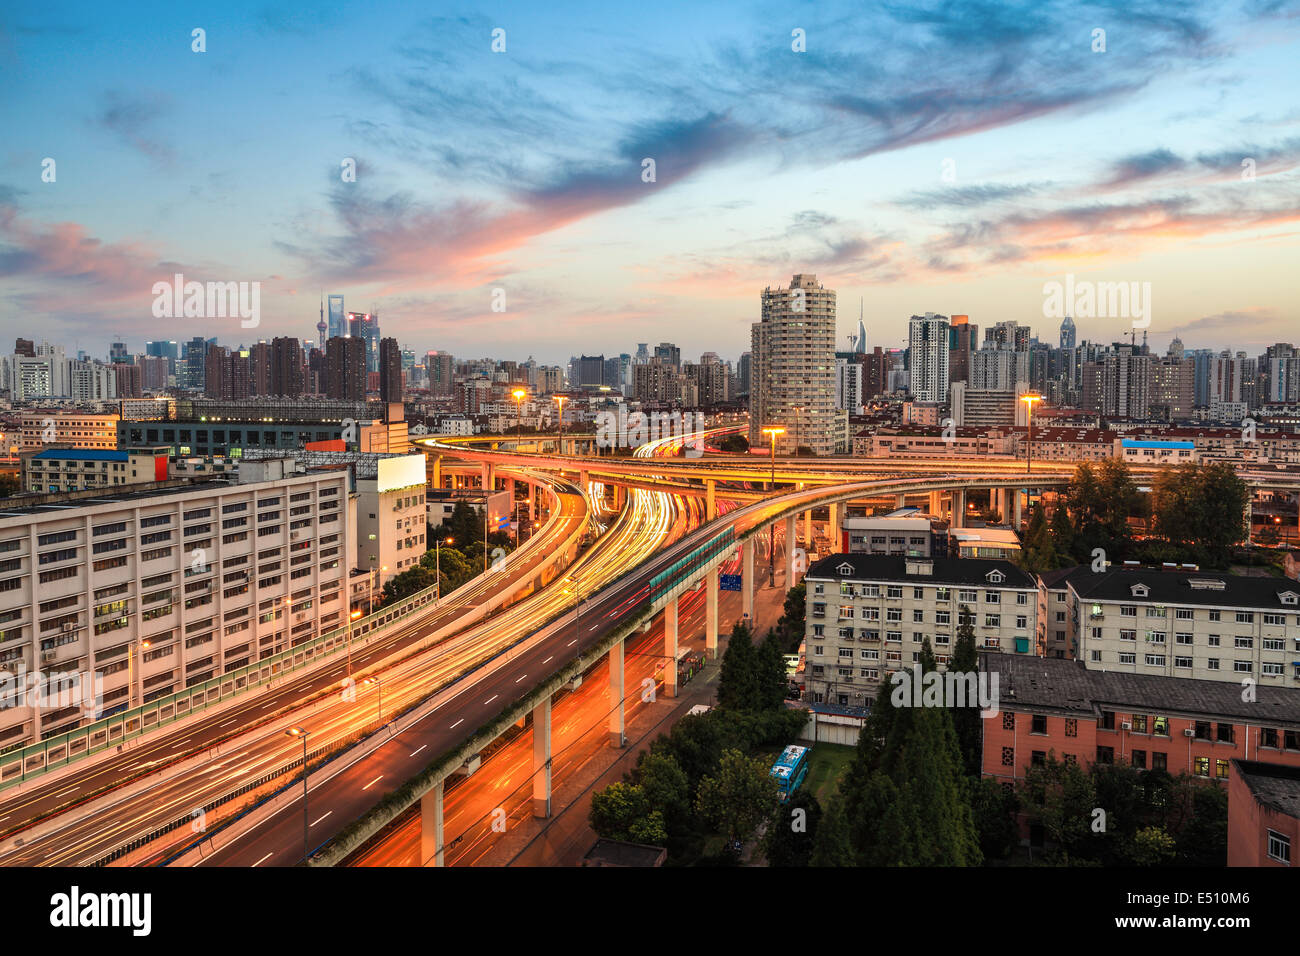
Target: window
1139, 723
992, 597
1128, 610
1279, 847
1245, 617
1160, 726
1038, 724
1159, 761
1071, 727
1215, 616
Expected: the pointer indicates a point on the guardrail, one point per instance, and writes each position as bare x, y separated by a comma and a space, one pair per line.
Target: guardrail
113, 731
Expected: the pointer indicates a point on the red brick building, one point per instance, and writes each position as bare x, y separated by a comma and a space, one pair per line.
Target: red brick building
1263, 814
1177, 724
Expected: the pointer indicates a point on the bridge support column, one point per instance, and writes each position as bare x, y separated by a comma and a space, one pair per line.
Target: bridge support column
431, 837
958, 509
710, 503
489, 477
936, 504
807, 529
900, 501
437, 471
510, 492
617, 738
711, 614
582, 480
747, 579
790, 549
670, 647
833, 528
542, 759
1018, 499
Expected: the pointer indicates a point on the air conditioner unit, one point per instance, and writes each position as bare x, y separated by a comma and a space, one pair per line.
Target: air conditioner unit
69, 628
1188, 732
1126, 726
47, 655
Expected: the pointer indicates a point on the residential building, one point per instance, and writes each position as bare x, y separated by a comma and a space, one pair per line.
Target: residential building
868, 615
928, 357
1263, 813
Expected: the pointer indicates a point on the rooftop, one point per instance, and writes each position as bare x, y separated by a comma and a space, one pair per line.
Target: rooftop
81, 454
1151, 585
888, 567
1064, 686
1275, 786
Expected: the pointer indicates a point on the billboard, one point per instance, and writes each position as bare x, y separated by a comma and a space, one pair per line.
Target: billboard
403, 472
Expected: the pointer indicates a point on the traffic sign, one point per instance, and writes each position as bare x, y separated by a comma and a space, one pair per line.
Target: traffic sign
730, 582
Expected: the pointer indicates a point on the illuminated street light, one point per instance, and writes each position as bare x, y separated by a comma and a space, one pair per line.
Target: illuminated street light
304, 733
356, 613
437, 562
519, 394
1029, 399
561, 399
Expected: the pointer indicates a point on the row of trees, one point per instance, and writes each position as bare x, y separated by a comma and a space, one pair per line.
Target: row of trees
459, 561
1194, 513
707, 776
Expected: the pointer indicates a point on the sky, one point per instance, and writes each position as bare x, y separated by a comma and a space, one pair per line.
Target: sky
916, 157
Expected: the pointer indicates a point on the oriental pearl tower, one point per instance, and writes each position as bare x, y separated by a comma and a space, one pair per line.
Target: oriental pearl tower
321, 327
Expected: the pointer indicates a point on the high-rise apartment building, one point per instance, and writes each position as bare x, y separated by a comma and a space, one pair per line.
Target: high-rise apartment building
963, 339
1067, 333
345, 369
390, 372
793, 361
928, 357
1118, 383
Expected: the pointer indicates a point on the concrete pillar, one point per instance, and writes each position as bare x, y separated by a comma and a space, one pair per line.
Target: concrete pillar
670, 647
789, 552
617, 737
542, 759
747, 578
489, 477
958, 509
1019, 500
582, 480
833, 528
437, 471
936, 503
710, 505
510, 491
807, 529
431, 836
711, 614
900, 501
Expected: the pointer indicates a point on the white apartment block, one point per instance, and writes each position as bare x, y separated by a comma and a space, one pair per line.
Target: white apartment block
391, 518
928, 357
168, 587
868, 615
792, 369
1183, 622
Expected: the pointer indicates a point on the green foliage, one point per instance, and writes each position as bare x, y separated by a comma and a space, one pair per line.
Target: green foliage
1200, 509
790, 627
738, 797
832, 845
966, 721
1152, 846
792, 831
994, 808
751, 678
736, 444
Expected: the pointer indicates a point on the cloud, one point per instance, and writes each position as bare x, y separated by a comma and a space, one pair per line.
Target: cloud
131, 118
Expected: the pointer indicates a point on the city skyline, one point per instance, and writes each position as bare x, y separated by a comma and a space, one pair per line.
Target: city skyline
948, 192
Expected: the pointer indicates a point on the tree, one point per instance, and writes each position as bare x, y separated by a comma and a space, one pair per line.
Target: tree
735, 444
1060, 797
616, 809
1152, 846
738, 677
831, 846
1062, 532
9, 486
792, 831
994, 808
665, 786
966, 721
738, 797
1200, 508
769, 675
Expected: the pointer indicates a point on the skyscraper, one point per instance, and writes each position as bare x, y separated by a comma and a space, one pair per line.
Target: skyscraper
337, 320
345, 369
963, 339
792, 357
390, 372
928, 357
1067, 333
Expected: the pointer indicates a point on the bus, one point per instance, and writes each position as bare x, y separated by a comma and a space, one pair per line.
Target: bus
790, 769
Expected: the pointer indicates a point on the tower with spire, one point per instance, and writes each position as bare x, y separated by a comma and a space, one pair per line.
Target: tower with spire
860, 347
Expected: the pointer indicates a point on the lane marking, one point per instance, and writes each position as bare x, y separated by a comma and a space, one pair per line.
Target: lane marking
373, 782
327, 813
457, 724
490, 699
263, 859
421, 748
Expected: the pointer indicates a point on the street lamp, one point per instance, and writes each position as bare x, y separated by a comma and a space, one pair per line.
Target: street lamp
437, 561
304, 733
774, 431
1029, 399
351, 617
561, 399
519, 394
379, 684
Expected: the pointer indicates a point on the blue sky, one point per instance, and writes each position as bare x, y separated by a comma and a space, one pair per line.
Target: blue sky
917, 157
